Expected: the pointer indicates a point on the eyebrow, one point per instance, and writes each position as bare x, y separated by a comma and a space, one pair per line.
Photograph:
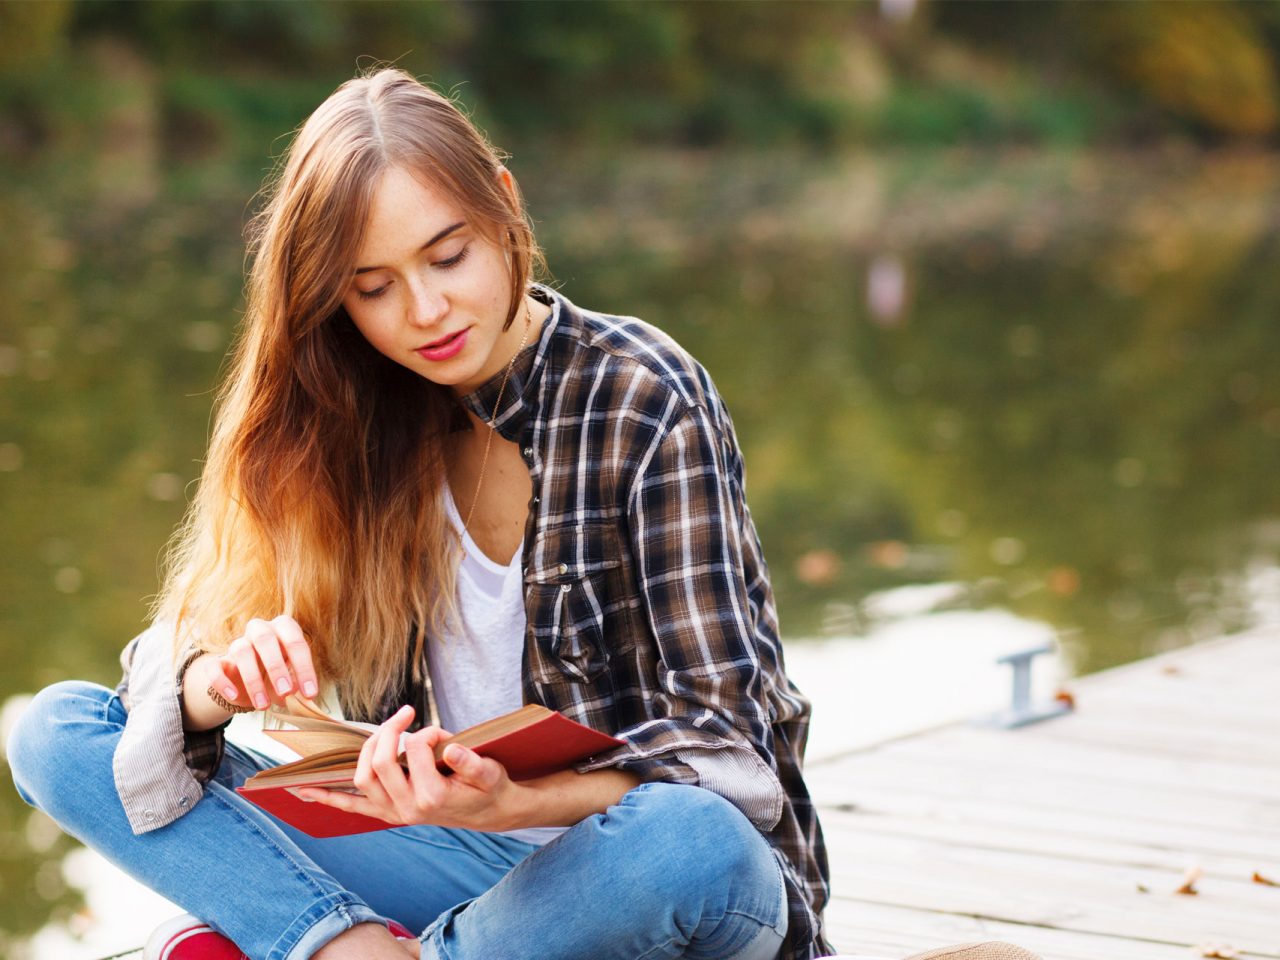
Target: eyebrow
430, 243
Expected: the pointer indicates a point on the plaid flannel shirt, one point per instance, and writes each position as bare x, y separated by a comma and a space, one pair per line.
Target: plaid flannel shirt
650, 613
649, 609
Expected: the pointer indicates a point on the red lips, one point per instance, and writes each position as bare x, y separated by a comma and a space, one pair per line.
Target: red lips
445, 347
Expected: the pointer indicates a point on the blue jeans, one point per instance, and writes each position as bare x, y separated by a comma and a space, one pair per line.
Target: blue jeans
669, 871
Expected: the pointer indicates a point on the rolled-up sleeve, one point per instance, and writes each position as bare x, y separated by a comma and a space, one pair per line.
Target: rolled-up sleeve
160, 769
696, 553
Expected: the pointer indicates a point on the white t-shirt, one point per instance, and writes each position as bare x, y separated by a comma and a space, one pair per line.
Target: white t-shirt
476, 672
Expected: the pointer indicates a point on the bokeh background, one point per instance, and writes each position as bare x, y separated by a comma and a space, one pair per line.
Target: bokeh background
990, 288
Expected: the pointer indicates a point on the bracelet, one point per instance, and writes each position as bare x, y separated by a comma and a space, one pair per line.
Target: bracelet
224, 703
192, 657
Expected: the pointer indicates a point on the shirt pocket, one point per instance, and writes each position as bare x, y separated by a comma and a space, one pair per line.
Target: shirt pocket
582, 602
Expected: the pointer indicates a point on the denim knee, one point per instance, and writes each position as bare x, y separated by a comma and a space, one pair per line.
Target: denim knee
45, 744
716, 840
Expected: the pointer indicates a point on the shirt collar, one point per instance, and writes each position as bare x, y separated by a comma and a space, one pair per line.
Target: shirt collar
519, 399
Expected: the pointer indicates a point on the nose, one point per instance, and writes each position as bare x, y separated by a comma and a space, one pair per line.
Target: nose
426, 306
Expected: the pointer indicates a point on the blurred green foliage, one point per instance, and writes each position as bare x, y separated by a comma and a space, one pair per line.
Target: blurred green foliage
1209, 63
621, 71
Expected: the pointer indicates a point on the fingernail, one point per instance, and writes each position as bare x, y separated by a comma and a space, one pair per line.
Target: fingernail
309, 688
454, 754
260, 701
282, 685
229, 692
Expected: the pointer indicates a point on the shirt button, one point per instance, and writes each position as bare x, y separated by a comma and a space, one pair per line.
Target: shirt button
182, 801
528, 453
566, 587
537, 499
148, 815
563, 568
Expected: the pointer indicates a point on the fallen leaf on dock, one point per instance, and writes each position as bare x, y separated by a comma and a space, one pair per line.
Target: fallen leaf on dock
1143, 888
1219, 950
1188, 887
1066, 697
1259, 878
1171, 670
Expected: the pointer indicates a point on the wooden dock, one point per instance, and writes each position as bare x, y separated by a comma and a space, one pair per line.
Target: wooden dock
1072, 836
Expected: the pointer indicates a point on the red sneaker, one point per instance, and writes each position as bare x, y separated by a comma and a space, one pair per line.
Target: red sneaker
400, 931
186, 938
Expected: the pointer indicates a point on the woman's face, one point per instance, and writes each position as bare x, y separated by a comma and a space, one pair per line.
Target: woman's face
430, 288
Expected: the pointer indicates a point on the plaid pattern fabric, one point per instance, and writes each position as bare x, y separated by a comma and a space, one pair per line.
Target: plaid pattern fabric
650, 613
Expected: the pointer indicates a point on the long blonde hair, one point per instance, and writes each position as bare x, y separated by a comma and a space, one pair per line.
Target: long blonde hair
321, 494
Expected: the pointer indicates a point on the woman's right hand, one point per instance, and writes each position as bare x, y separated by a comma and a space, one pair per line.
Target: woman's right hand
271, 660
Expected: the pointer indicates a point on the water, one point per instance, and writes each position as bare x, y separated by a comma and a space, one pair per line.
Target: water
1042, 389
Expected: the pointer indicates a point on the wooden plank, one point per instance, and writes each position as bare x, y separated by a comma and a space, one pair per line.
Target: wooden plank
996, 833
1209, 840
1185, 711
1228, 669
880, 929
1182, 695
1252, 826
1053, 892
1189, 785
1151, 736
1097, 761
1235, 656
1128, 878
1053, 792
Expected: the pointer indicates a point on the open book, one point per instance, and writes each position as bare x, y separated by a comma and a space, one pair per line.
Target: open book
530, 742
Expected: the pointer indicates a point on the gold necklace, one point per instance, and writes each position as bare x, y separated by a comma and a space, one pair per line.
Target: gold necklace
484, 460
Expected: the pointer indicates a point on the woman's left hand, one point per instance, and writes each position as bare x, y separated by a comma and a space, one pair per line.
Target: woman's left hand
477, 796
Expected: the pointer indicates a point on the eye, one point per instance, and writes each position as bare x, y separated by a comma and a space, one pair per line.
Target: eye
456, 259
372, 294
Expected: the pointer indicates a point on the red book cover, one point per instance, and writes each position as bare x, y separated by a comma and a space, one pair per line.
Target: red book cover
552, 743
313, 819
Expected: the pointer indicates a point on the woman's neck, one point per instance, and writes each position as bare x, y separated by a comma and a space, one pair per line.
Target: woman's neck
491, 493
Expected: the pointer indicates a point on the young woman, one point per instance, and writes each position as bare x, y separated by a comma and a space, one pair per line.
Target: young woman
446, 490
442, 490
